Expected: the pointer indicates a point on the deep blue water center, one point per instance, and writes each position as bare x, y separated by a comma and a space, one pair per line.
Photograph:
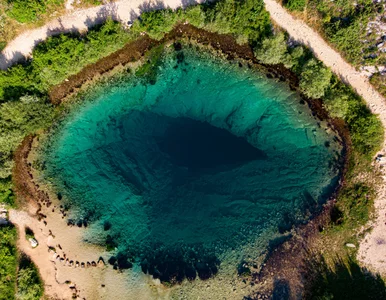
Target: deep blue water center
203, 161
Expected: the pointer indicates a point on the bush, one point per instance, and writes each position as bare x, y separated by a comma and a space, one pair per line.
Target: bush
246, 19
62, 56
18, 119
59, 57
29, 284
25, 11
195, 16
346, 36
298, 5
365, 128
337, 101
6, 193
379, 82
273, 50
156, 23
315, 79
8, 262
344, 23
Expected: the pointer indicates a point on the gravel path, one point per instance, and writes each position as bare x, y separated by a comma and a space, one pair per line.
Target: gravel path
80, 20
372, 250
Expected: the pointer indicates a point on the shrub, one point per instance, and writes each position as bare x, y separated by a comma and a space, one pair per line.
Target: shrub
6, 193
365, 128
62, 56
29, 284
195, 16
8, 262
25, 11
298, 5
273, 50
18, 119
337, 102
59, 57
156, 23
315, 79
247, 19
379, 82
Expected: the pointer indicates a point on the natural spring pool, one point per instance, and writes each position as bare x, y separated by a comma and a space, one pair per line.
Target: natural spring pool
174, 174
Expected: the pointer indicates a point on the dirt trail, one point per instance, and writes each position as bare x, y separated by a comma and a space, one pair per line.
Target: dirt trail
372, 250
80, 20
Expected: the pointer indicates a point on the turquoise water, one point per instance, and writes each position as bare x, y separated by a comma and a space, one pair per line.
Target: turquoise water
172, 174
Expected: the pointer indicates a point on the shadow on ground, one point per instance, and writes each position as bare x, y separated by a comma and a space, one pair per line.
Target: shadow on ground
344, 280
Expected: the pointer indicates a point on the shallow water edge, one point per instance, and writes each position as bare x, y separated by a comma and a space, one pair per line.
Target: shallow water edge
226, 47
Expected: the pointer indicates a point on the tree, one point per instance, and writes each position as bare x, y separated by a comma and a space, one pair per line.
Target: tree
18, 119
273, 50
315, 79
195, 16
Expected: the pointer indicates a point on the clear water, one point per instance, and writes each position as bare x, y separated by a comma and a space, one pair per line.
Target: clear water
175, 173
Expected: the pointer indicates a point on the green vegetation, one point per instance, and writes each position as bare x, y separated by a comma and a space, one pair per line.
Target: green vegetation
149, 69
247, 20
8, 262
379, 82
344, 24
274, 50
298, 5
156, 23
315, 79
19, 278
344, 280
58, 58
18, 119
83, 3
25, 11
24, 108
6, 193
29, 283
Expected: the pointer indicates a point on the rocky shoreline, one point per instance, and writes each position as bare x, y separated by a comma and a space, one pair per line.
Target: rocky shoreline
283, 257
